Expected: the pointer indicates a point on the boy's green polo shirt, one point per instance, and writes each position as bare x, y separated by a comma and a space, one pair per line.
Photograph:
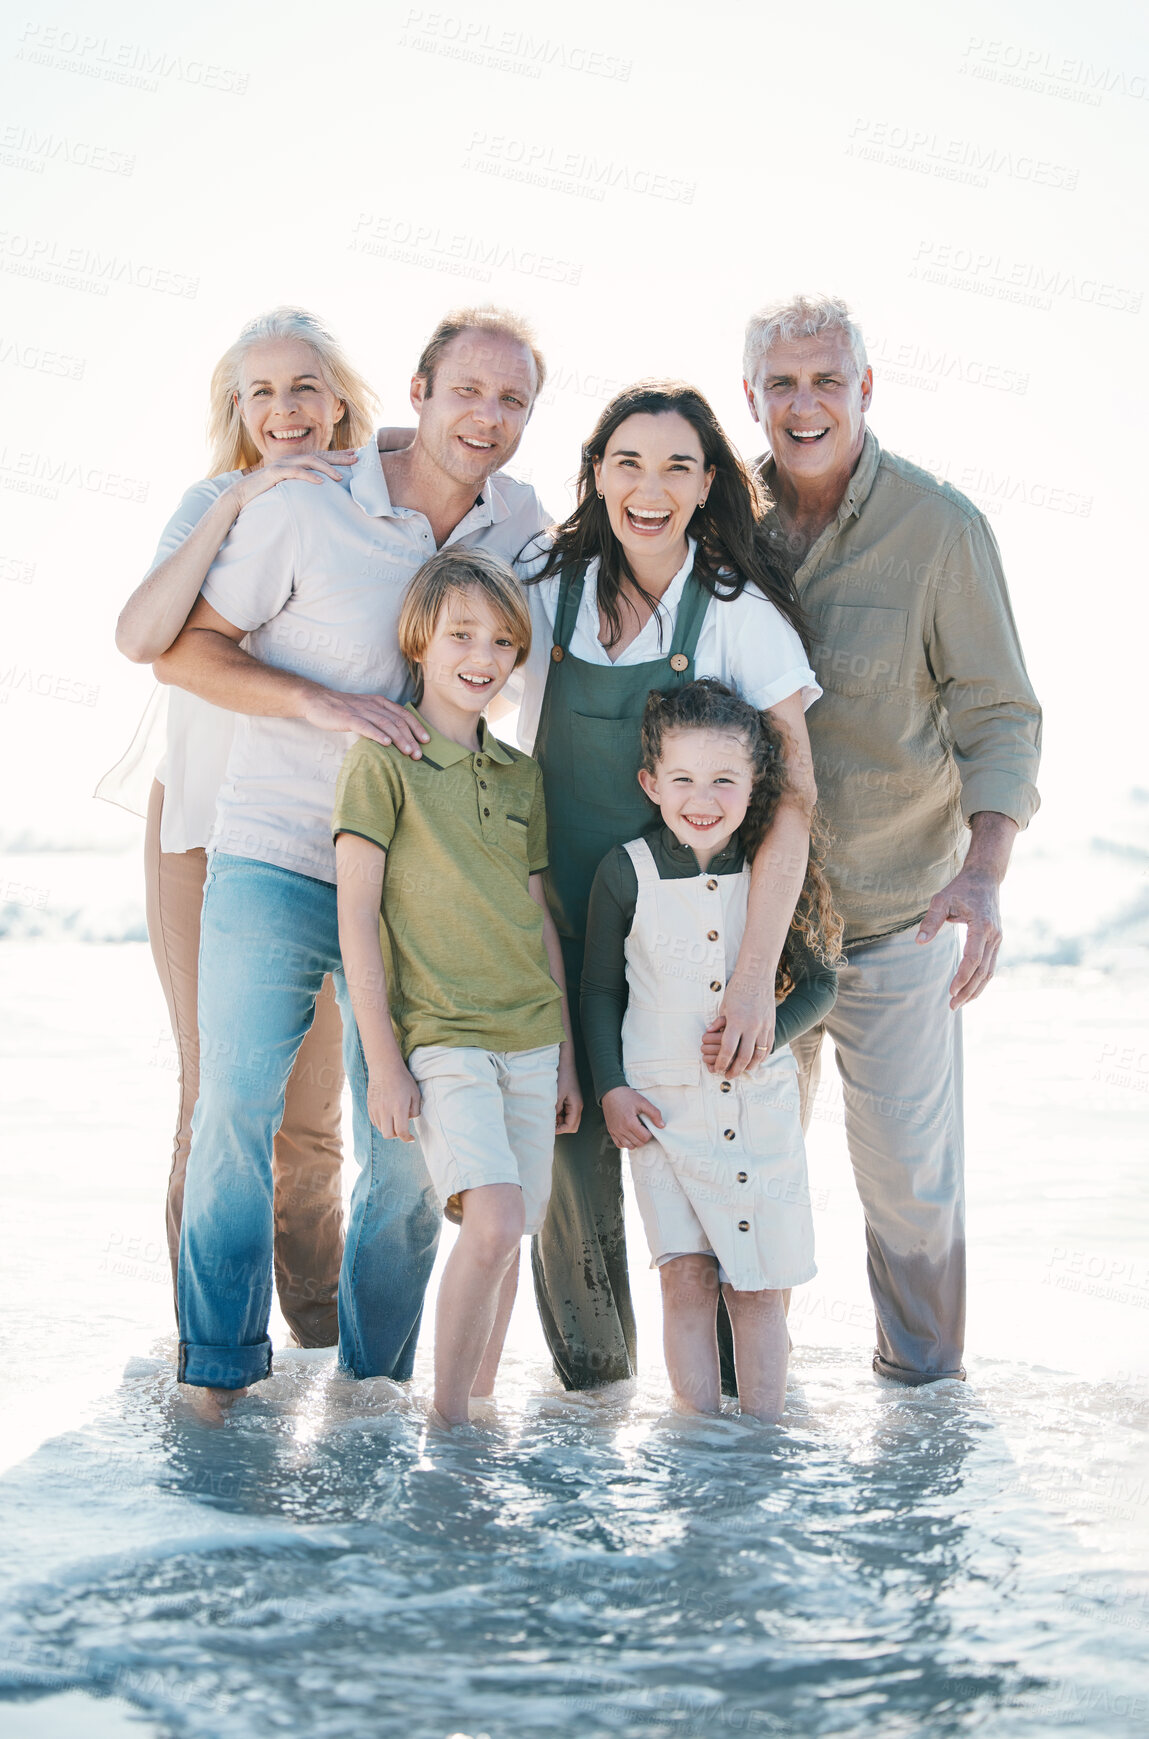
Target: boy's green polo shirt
462, 938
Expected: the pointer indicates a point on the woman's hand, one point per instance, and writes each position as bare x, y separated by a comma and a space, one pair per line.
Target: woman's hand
568, 1110
306, 468
393, 1099
622, 1107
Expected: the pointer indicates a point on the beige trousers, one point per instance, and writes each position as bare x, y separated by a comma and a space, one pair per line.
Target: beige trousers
899, 1053
308, 1157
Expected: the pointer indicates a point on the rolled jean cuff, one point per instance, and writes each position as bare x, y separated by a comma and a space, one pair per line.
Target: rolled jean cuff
224, 1367
915, 1379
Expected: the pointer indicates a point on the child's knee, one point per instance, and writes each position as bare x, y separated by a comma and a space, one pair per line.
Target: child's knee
493, 1221
688, 1277
766, 1304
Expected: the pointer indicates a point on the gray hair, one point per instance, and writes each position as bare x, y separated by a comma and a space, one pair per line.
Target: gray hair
800, 317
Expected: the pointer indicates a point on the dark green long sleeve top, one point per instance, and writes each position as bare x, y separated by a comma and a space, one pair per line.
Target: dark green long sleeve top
613, 900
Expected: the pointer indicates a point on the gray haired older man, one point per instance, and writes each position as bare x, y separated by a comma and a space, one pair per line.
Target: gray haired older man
925, 745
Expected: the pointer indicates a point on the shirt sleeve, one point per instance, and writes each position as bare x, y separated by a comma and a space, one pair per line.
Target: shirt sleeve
613, 898
188, 514
368, 794
253, 575
813, 996
762, 655
975, 655
537, 857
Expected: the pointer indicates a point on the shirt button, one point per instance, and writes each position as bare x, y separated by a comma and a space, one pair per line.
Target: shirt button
724, 1087
744, 1225
712, 884
742, 1177
482, 784
712, 935
486, 812
729, 1134
715, 985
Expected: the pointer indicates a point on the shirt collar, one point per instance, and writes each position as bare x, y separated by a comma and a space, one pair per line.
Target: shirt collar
441, 752
679, 853
861, 478
369, 489
368, 484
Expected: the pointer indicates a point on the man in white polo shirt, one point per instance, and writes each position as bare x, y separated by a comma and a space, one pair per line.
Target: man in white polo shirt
311, 580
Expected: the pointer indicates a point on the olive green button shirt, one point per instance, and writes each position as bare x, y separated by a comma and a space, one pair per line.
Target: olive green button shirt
927, 715
462, 938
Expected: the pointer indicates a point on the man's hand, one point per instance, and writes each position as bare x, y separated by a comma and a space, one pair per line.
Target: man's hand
393, 1099
568, 1109
971, 898
742, 1032
622, 1107
368, 715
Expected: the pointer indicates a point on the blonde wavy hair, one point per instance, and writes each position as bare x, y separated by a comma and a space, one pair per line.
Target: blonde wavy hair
232, 448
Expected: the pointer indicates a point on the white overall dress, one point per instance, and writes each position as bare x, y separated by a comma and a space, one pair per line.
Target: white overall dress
727, 1174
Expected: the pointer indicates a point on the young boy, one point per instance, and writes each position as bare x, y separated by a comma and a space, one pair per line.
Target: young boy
459, 991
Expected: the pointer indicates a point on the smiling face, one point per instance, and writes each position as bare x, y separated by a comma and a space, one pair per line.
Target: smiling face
286, 405
702, 783
811, 402
652, 477
468, 658
473, 414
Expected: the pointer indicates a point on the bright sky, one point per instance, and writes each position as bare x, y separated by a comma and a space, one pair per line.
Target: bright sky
636, 179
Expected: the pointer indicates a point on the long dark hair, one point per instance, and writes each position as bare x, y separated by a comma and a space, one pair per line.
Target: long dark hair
733, 551
708, 705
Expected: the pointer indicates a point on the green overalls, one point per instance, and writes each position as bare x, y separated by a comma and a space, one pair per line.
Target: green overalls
588, 746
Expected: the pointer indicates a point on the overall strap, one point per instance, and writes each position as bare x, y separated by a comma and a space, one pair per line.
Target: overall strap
567, 609
692, 610
642, 858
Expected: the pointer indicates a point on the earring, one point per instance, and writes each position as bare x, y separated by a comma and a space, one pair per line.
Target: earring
601, 496
702, 502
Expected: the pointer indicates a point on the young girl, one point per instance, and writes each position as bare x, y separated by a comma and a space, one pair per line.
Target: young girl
465, 1027
719, 1164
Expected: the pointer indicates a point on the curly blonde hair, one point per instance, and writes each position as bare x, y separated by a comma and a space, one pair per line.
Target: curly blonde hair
232, 448
709, 705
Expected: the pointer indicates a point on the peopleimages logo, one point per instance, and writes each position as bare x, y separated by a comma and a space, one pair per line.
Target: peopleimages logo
78, 268
1024, 282
114, 61
578, 173
515, 51
1065, 76
455, 251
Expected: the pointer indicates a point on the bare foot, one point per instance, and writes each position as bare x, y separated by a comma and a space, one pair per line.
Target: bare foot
211, 1405
438, 1422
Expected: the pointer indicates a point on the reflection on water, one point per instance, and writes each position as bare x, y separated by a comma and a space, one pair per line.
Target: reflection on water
892, 1562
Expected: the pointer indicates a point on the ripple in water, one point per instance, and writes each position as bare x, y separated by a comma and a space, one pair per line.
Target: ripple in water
891, 1562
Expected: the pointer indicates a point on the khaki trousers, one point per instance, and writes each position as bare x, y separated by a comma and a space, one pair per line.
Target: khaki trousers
899, 1053
308, 1157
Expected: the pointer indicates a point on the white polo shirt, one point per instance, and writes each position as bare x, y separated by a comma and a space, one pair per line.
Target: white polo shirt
745, 641
315, 576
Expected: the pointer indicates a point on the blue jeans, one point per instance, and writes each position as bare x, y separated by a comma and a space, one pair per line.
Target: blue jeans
268, 937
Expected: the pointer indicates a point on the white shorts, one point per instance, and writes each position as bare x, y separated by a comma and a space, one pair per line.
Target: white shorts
488, 1117
727, 1175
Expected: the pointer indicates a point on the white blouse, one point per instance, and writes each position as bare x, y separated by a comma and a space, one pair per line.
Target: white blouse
745, 642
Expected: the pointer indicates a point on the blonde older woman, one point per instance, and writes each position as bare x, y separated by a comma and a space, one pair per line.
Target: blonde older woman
285, 403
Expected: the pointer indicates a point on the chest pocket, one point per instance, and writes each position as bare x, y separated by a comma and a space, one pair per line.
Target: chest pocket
859, 649
606, 752
514, 838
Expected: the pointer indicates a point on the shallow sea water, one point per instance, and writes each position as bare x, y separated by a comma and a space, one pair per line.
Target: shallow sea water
888, 1562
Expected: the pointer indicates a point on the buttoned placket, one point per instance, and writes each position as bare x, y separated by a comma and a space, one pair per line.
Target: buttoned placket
725, 1086
478, 763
